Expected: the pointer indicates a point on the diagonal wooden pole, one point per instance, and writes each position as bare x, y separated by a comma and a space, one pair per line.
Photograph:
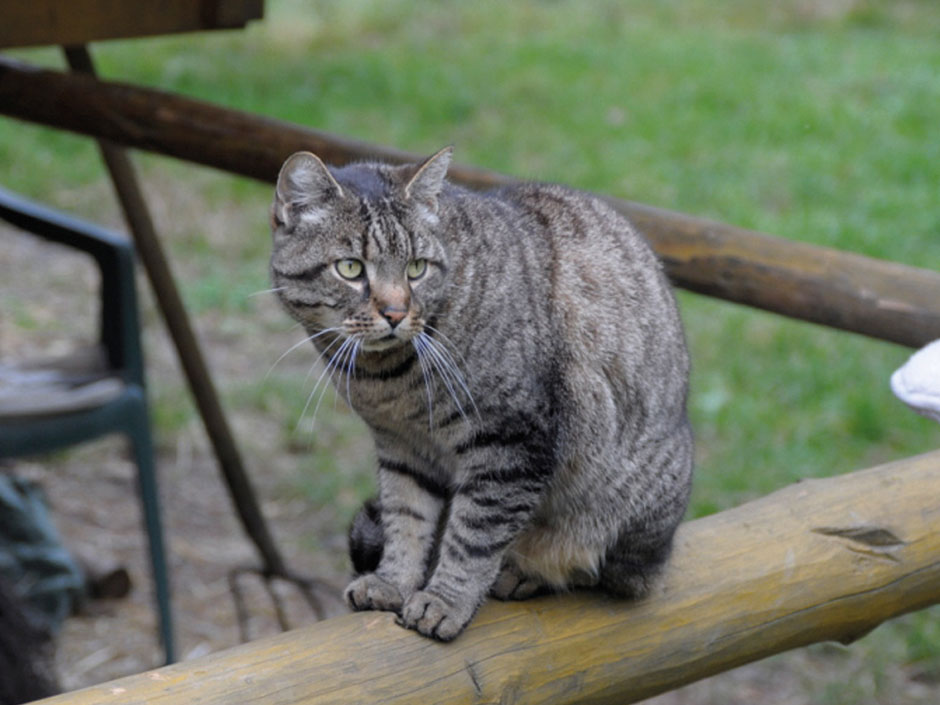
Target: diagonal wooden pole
127, 186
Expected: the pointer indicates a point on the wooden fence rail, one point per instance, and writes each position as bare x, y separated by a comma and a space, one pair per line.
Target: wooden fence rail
838, 289
820, 560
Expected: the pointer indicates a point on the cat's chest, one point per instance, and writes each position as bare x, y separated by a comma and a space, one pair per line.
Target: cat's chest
406, 394
389, 404
402, 415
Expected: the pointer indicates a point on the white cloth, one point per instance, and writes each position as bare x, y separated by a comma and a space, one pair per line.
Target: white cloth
917, 382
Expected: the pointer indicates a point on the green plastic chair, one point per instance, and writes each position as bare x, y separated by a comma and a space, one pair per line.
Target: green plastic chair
51, 404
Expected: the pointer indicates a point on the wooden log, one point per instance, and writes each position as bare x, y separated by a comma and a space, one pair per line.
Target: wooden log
843, 290
820, 560
39, 22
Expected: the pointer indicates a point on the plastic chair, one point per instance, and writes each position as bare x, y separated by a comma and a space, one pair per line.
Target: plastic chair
50, 404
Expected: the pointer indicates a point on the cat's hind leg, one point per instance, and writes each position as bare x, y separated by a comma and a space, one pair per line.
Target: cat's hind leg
543, 561
513, 584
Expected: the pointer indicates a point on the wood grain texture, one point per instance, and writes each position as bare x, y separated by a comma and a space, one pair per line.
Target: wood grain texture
69, 22
820, 560
847, 291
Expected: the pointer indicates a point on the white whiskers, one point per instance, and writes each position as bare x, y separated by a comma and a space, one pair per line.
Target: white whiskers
426, 372
434, 356
343, 361
296, 345
266, 291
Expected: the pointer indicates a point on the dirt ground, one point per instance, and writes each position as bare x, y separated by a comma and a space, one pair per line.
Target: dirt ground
91, 492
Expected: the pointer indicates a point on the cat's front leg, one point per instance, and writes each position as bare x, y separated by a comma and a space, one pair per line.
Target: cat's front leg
487, 513
411, 502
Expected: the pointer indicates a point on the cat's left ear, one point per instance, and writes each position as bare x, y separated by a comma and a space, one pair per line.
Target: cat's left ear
425, 185
304, 185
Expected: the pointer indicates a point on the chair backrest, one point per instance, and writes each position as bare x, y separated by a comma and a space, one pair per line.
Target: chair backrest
114, 255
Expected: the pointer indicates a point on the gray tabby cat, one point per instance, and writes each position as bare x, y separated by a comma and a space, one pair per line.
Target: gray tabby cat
519, 359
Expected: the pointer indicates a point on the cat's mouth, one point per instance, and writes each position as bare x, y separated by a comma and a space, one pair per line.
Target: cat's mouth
384, 343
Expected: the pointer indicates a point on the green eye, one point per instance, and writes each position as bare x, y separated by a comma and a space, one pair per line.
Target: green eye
349, 268
417, 268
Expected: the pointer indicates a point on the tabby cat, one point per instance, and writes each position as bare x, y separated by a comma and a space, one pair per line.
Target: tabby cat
520, 362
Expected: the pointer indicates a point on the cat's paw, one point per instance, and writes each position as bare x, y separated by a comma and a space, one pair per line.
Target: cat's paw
434, 617
370, 592
510, 585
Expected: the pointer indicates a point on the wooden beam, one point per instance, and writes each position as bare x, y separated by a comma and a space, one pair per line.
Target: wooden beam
843, 290
839, 289
821, 560
72, 22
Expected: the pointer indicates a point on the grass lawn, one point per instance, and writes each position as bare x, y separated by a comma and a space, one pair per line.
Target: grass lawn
811, 121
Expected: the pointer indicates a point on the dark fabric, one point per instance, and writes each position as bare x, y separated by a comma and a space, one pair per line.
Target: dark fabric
25, 653
33, 561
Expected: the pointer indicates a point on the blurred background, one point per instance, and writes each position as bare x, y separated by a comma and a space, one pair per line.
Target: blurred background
814, 121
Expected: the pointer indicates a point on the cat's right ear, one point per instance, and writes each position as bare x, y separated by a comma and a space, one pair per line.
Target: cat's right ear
304, 189
426, 182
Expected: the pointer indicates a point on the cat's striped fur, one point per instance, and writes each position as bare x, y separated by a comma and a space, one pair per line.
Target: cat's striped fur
519, 359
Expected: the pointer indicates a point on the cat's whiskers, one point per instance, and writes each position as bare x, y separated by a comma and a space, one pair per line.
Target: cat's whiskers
440, 359
321, 355
446, 341
296, 345
451, 365
419, 344
265, 291
316, 387
338, 361
349, 367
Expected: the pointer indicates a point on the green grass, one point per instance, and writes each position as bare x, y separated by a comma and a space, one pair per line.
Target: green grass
812, 121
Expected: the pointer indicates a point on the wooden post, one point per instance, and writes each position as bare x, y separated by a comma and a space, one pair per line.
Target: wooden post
880, 299
820, 560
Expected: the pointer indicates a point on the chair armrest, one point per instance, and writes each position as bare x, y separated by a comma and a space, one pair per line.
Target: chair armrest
114, 256
59, 227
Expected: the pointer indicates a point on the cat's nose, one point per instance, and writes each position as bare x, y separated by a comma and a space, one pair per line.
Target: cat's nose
394, 314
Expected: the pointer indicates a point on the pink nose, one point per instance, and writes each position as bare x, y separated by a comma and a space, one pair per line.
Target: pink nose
394, 314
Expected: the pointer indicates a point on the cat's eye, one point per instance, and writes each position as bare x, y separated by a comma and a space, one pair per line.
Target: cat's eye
349, 268
417, 268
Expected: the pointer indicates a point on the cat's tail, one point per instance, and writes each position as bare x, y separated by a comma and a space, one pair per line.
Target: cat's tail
367, 538
635, 563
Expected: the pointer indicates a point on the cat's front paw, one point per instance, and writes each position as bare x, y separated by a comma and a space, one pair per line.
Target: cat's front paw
370, 592
434, 617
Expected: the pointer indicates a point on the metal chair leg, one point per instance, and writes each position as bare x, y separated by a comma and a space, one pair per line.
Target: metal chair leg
139, 431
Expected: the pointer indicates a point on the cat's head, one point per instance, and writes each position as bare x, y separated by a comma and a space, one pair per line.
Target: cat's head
356, 248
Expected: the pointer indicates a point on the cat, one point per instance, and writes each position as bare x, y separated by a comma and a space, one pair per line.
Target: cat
520, 361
